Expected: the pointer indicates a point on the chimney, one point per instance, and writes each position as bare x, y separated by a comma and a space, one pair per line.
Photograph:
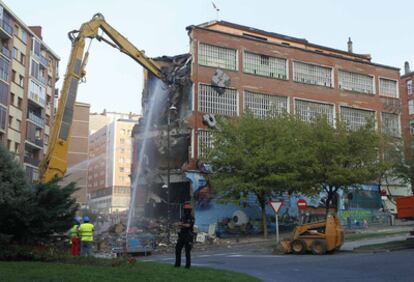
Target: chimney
407, 67
349, 45
37, 29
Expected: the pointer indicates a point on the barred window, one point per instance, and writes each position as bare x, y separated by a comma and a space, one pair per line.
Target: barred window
388, 87
356, 118
210, 101
391, 124
214, 56
265, 65
205, 142
312, 74
308, 111
409, 87
356, 82
411, 107
264, 104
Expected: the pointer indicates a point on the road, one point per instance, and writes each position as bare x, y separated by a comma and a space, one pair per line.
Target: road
341, 266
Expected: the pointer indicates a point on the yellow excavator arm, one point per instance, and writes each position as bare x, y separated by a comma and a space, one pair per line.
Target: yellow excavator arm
54, 163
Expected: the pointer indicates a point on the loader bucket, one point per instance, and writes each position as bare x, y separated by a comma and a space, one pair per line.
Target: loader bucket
284, 245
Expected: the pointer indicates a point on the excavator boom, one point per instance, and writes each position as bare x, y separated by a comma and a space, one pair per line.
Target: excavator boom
54, 163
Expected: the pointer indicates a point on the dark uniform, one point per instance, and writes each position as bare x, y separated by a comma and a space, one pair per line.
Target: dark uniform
185, 239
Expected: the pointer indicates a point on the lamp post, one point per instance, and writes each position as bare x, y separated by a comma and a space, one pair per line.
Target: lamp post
170, 110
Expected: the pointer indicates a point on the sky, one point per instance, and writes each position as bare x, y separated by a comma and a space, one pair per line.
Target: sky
114, 81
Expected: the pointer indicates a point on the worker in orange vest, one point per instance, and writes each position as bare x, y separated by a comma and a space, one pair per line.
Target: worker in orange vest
74, 238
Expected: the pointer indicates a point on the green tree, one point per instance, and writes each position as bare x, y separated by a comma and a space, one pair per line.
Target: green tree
260, 156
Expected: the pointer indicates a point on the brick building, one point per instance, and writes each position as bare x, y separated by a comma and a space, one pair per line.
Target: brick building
28, 73
406, 89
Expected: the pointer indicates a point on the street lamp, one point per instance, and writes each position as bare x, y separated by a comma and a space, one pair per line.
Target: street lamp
172, 109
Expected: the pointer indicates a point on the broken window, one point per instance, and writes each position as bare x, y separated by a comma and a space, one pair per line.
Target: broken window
262, 105
388, 87
210, 101
356, 118
214, 56
312, 74
356, 82
265, 65
409, 87
308, 110
391, 124
205, 143
411, 107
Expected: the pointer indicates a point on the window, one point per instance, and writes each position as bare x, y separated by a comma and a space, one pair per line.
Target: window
4, 92
36, 47
205, 142
391, 124
35, 69
409, 87
263, 105
210, 101
19, 102
308, 111
24, 36
18, 124
264, 65
356, 118
16, 148
388, 87
10, 121
11, 98
312, 74
15, 53
22, 59
214, 56
411, 107
37, 93
121, 169
412, 127
20, 82
123, 131
3, 115
356, 82
13, 77
4, 69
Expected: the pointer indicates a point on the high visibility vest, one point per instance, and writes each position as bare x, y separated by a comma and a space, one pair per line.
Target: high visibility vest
86, 232
74, 231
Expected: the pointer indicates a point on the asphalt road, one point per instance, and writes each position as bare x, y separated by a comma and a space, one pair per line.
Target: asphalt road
342, 266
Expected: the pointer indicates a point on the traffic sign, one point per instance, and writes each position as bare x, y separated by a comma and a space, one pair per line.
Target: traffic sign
276, 205
301, 203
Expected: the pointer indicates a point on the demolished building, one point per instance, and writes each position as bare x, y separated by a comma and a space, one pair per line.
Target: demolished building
231, 68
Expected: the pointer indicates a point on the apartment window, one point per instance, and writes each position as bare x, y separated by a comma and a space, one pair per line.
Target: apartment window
388, 87
356, 118
412, 127
409, 87
356, 82
411, 107
3, 116
10, 121
11, 98
4, 90
312, 74
210, 101
308, 110
24, 36
19, 124
19, 102
391, 124
13, 77
35, 69
16, 29
4, 69
22, 59
214, 56
205, 142
15, 53
36, 47
16, 148
263, 105
20, 82
264, 65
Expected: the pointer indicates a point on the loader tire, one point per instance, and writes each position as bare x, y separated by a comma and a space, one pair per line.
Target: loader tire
318, 247
298, 247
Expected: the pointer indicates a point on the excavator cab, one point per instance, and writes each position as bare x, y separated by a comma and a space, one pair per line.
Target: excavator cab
316, 237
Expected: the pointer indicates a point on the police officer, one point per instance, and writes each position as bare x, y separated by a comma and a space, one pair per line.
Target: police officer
185, 236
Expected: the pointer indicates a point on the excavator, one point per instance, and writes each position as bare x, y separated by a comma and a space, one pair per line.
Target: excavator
54, 163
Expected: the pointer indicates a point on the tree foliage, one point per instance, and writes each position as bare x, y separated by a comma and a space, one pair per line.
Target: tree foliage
31, 213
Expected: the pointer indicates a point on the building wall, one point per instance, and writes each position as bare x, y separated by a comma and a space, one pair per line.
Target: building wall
25, 110
78, 153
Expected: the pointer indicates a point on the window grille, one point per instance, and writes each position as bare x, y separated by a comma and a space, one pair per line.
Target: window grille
262, 105
308, 111
210, 101
205, 142
388, 87
264, 65
409, 87
214, 56
411, 107
356, 118
391, 124
356, 82
312, 74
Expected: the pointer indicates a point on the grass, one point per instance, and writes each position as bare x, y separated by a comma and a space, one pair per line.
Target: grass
389, 246
109, 270
360, 236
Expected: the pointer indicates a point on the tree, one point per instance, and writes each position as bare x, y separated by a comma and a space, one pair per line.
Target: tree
342, 157
260, 156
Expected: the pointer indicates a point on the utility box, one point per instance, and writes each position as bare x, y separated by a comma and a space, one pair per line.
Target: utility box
405, 207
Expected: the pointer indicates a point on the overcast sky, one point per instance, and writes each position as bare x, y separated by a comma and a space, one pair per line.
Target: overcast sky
114, 81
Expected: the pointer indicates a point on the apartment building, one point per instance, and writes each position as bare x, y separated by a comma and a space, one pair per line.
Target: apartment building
28, 73
406, 89
110, 152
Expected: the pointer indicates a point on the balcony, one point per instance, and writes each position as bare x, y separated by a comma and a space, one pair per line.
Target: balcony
31, 161
35, 143
39, 121
6, 52
38, 99
6, 30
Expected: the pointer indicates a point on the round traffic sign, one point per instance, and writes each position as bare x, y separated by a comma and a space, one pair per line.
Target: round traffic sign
301, 203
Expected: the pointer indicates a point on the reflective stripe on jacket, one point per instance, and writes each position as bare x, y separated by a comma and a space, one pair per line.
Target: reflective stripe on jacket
73, 232
86, 231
